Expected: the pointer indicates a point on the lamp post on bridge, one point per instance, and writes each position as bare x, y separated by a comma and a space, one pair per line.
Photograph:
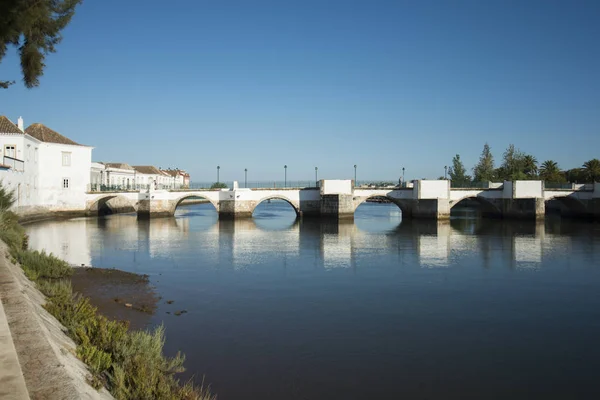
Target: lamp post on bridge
354, 174
218, 168
445, 172
403, 181
285, 176
316, 176
246, 177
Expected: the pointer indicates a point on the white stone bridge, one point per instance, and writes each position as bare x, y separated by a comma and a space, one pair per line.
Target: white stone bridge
339, 198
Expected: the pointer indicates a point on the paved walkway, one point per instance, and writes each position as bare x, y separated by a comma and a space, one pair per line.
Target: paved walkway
12, 382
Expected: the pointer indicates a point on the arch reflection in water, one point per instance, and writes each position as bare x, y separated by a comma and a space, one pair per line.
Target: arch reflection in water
255, 243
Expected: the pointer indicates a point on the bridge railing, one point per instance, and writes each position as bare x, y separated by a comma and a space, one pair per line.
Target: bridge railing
99, 187
475, 185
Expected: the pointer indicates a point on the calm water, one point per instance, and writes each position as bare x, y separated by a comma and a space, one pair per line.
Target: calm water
375, 309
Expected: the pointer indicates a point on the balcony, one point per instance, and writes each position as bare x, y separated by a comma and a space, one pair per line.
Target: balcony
13, 163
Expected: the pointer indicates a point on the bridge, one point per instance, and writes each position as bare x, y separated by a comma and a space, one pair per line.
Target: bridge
432, 199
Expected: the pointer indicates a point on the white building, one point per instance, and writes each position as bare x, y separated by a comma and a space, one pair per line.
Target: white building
112, 176
149, 175
181, 179
47, 170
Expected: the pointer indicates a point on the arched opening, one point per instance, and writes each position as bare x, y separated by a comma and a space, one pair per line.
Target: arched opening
566, 206
473, 208
113, 205
195, 205
379, 214
275, 212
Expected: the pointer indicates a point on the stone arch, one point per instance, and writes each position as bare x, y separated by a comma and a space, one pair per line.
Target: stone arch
294, 205
178, 201
403, 204
573, 204
487, 206
101, 206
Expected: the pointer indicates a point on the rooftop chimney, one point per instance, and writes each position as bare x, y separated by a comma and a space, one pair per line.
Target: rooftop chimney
20, 124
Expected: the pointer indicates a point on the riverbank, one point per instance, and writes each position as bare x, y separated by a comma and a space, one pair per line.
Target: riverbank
46, 355
54, 328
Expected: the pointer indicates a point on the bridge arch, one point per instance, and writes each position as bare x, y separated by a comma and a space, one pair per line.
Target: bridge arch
111, 204
403, 204
573, 204
178, 201
487, 206
292, 203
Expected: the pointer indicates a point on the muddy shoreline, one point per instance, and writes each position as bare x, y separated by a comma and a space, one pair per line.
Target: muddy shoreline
117, 294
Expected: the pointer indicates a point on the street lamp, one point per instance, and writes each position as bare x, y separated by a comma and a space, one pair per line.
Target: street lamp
285, 176
316, 176
403, 181
245, 177
218, 168
445, 172
354, 174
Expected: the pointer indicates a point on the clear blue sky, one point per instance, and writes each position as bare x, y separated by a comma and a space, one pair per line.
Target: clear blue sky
382, 84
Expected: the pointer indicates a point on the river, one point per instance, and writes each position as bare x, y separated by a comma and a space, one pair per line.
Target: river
377, 308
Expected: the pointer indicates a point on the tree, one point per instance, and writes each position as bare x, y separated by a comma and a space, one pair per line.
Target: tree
218, 185
591, 170
550, 172
513, 165
530, 167
34, 26
484, 170
457, 172
575, 175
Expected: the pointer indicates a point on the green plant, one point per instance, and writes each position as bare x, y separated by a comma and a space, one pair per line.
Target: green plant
218, 185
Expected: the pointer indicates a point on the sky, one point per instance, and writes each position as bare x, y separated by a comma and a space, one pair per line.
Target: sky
328, 84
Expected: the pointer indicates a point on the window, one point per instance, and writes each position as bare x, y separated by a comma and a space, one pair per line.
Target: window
35, 155
10, 150
28, 152
66, 159
65, 183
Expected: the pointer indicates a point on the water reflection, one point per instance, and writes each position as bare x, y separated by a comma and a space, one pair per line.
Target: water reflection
285, 308
249, 243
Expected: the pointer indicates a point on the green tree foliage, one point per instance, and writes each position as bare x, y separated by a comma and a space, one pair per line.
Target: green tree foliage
575, 175
591, 170
530, 166
218, 185
34, 27
484, 170
550, 172
513, 165
458, 173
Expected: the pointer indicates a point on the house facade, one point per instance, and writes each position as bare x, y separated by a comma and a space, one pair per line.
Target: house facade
181, 179
46, 170
147, 175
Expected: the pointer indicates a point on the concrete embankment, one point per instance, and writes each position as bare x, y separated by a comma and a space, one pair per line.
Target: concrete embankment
45, 356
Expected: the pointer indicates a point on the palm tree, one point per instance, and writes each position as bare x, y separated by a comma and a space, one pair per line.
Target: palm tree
591, 170
550, 172
530, 165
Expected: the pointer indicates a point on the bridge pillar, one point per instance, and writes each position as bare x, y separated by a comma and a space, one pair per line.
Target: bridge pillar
431, 199
234, 208
340, 206
431, 209
154, 204
523, 200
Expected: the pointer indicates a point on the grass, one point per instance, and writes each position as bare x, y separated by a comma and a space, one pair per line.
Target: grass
130, 364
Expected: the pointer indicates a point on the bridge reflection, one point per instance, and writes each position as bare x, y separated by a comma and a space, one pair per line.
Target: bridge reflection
306, 244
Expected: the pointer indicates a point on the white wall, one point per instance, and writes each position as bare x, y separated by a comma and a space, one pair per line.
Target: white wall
52, 173
432, 189
24, 183
331, 186
528, 189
